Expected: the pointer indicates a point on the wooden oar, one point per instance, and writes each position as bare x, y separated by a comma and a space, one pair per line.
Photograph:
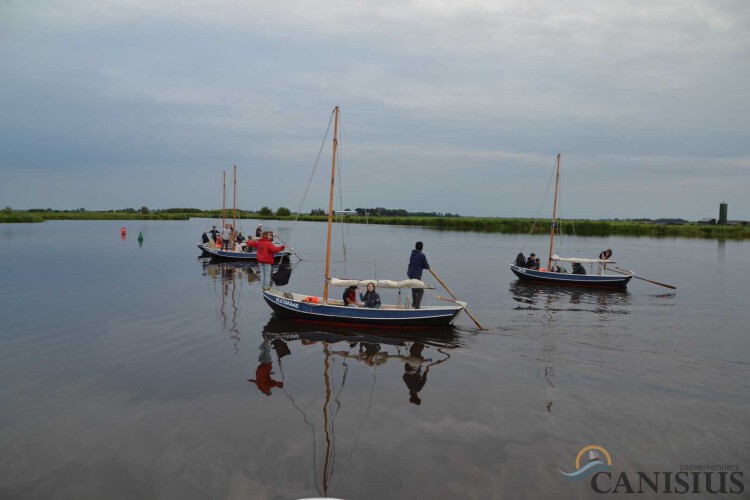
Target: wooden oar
290, 248
456, 299
625, 271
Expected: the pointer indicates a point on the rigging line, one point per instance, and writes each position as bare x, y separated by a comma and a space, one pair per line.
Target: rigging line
341, 197
359, 430
546, 192
312, 428
312, 174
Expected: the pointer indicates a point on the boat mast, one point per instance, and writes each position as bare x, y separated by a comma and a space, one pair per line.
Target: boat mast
554, 216
234, 207
330, 204
224, 204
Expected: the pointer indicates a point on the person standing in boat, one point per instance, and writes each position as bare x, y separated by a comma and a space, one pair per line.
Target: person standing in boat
214, 232
604, 255
266, 249
259, 231
226, 236
417, 263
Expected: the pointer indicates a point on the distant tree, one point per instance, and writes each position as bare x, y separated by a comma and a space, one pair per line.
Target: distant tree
8, 210
144, 210
81, 209
319, 211
283, 212
266, 211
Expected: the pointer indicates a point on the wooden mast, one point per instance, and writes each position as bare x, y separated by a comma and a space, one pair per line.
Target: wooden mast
224, 204
554, 216
234, 209
330, 204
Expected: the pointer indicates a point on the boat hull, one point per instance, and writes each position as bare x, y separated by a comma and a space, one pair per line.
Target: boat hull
236, 256
386, 317
578, 280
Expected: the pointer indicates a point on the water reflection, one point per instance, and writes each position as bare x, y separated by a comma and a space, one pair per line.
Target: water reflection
228, 279
560, 298
419, 351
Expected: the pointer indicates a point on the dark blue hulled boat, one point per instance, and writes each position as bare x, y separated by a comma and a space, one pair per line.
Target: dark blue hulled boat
294, 306
585, 280
325, 310
547, 277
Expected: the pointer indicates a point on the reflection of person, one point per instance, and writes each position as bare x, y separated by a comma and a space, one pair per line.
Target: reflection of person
417, 263
371, 298
264, 371
266, 249
350, 296
413, 377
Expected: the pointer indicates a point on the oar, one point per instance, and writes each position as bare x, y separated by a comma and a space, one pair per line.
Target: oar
625, 271
456, 299
290, 248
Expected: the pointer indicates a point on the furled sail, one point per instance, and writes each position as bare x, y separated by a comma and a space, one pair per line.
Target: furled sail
582, 261
382, 283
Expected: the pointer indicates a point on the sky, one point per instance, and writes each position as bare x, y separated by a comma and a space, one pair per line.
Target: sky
446, 106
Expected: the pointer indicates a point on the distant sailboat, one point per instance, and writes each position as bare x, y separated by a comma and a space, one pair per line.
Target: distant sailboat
547, 277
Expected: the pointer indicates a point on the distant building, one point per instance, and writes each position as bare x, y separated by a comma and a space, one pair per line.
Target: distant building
345, 212
723, 210
710, 221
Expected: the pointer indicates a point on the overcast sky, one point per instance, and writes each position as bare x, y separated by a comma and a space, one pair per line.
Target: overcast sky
451, 106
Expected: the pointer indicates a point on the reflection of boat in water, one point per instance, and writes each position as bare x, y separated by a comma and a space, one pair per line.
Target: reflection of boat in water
342, 350
562, 298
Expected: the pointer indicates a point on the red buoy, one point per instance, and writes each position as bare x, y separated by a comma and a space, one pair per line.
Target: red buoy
123, 231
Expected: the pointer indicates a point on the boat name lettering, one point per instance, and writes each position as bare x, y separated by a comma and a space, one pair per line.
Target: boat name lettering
288, 303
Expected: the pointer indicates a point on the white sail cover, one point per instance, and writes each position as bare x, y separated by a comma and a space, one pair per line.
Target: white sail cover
582, 261
381, 283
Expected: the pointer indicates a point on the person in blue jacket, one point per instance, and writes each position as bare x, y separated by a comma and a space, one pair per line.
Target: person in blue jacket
370, 299
417, 263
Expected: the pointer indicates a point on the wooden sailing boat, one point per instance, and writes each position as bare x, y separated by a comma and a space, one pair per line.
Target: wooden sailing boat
583, 280
305, 307
215, 251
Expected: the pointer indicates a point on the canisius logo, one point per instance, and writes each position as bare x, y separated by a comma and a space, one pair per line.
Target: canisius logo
724, 479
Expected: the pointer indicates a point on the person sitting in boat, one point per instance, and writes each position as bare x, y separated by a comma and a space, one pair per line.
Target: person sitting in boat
520, 260
240, 238
578, 268
531, 261
350, 296
259, 231
557, 269
538, 264
371, 298
219, 241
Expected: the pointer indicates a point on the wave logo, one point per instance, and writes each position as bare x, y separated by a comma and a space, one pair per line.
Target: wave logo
599, 459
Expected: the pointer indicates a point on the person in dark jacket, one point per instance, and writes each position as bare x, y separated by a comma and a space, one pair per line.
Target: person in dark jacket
578, 268
259, 231
213, 233
537, 264
371, 298
417, 263
520, 260
531, 261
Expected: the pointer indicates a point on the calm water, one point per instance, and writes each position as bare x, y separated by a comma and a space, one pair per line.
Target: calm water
143, 372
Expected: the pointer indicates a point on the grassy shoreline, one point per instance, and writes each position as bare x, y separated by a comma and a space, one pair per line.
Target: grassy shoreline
478, 224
